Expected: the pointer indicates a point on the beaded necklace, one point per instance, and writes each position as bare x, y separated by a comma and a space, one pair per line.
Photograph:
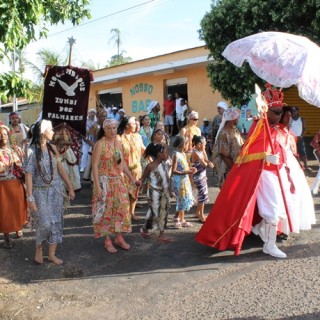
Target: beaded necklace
44, 179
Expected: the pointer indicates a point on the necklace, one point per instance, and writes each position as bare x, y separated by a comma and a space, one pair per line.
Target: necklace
42, 175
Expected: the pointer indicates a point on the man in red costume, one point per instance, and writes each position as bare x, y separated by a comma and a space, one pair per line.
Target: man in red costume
254, 180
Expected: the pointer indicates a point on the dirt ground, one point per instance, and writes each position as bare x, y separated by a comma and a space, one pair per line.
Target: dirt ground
181, 280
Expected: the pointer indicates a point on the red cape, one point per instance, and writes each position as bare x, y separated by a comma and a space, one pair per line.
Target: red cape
231, 216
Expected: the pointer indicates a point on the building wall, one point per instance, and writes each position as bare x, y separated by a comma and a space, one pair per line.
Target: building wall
137, 91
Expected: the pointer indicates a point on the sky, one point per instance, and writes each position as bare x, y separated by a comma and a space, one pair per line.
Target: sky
148, 28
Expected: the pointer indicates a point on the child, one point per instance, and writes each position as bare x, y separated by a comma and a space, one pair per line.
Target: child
181, 183
158, 192
200, 161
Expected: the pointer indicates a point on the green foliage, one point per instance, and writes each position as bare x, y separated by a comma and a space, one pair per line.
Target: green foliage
13, 84
22, 21
118, 59
230, 20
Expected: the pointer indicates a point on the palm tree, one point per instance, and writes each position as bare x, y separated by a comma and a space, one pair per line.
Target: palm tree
45, 57
116, 39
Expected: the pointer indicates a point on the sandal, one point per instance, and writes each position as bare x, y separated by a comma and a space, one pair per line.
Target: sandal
122, 243
145, 234
177, 223
186, 224
109, 246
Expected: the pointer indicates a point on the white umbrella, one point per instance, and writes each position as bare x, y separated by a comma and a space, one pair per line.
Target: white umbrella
282, 59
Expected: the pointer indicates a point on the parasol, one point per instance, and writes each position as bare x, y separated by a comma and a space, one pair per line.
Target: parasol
282, 59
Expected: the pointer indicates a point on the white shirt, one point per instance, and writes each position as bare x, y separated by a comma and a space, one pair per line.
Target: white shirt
296, 127
178, 106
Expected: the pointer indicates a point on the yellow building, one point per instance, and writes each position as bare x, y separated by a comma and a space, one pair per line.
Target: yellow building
137, 83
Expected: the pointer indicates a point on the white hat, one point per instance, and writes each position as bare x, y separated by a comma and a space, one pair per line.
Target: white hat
223, 105
114, 108
122, 110
205, 119
151, 105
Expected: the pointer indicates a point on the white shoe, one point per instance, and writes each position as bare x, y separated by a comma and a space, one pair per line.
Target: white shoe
274, 251
81, 170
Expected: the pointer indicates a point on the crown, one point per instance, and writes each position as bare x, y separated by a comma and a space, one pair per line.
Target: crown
273, 96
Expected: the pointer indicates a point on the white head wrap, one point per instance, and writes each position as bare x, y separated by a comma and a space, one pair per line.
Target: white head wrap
223, 105
132, 120
121, 110
92, 110
193, 115
45, 124
151, 105
109, 121
228, 115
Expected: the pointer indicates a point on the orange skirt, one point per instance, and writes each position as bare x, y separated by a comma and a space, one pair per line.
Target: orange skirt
13, 206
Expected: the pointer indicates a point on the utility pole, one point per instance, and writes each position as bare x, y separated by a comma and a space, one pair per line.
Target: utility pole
14, 98
71, 42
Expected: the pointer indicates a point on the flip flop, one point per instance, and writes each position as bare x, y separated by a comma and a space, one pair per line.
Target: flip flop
144, 234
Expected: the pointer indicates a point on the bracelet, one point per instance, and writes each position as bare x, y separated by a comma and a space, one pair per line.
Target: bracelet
31, 199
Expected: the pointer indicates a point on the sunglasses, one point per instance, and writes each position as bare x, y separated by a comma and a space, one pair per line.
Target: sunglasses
195, 119
277, 112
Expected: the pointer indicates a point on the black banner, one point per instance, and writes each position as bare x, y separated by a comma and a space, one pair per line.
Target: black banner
66, 95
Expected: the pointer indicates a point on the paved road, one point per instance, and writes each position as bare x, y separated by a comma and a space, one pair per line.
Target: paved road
182, 280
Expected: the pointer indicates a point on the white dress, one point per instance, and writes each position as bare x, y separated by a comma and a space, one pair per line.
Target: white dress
304, 215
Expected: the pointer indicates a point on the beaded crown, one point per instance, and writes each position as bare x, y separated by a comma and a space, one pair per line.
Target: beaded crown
273, 96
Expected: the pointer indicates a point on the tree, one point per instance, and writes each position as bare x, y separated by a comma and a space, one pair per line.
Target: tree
23, 21
230, 20
118, 58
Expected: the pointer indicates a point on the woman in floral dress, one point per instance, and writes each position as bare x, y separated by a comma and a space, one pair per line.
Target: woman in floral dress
13, 213
44, 175
110, 201
132, 154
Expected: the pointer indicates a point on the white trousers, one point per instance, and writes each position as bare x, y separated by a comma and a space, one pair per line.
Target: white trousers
269, 197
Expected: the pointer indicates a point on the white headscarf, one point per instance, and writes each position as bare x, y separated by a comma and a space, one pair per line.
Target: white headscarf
151, 105
223, 105
45, 124
193, 115
228, 115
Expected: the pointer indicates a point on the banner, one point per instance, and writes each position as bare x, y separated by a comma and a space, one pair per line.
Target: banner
66, 95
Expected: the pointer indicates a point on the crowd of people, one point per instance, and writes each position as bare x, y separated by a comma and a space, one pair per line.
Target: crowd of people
124, 156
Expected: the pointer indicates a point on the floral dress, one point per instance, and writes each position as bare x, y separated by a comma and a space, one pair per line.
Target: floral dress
181, 184
111, 214
132, 156
228, 143
48, 194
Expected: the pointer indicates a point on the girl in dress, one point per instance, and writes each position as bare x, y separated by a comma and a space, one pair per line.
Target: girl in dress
146, 130
44, 174
181, 183
199, 160
110, 200
158, 192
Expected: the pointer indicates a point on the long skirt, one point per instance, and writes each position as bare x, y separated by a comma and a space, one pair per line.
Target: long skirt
13, 206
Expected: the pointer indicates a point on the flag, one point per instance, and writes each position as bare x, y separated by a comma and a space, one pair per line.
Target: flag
66, 96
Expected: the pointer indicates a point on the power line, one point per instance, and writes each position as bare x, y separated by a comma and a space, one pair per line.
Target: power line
104, 17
